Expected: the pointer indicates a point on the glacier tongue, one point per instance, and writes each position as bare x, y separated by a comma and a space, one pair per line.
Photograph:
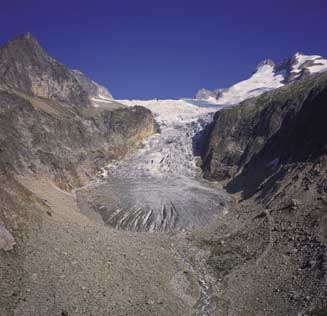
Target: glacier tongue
159, 188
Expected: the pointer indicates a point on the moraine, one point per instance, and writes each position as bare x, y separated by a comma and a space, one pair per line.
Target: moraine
159, 187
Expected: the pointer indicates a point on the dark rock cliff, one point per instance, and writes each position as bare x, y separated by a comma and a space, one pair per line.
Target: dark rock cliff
281, 127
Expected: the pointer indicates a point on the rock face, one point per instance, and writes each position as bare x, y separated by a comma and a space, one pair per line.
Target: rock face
272, 152
268, 76
91, 87
43, 137
265, 132
26, 67
96, 92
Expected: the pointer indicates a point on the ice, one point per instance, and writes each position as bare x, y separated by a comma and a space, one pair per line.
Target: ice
173, 111
159, 187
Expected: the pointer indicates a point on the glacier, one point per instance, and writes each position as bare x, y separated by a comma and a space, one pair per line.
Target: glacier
159, 187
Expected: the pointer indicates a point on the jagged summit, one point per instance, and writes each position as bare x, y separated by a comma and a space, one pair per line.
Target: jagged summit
25, 66
266, 62
24, 44
268, 76
27, 37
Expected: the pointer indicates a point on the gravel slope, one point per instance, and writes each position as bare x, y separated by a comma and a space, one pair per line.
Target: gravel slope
74, 266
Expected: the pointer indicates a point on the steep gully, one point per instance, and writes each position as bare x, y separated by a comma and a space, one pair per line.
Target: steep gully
159, 188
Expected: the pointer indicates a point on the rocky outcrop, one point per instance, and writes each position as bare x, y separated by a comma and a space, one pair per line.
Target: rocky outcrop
26, 67
40, 136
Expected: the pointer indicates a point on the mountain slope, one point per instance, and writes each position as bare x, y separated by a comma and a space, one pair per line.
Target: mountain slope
46, 128
270, 250
268, 76
53, 259
97, 93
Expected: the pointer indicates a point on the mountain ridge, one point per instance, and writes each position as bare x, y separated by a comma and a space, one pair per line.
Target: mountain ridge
267, 76
25, 66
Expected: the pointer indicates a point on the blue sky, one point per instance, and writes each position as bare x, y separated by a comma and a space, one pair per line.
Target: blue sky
168, 49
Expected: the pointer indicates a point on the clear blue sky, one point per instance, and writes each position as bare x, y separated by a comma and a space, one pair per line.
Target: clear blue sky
168, 48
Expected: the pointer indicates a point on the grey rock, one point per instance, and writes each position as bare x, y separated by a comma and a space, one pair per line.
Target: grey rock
92, 88
26, 67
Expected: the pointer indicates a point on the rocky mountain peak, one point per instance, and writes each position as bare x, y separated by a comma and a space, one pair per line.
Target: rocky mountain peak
26, 67
24, 37
266, 62
28, 37
23, 44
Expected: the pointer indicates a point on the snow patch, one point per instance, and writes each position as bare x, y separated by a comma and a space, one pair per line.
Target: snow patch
268, 76
318, 64
264, 79
176, 111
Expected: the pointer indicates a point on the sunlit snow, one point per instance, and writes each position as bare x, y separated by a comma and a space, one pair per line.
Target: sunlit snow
267, 77
313, 63
170, 111
264, 79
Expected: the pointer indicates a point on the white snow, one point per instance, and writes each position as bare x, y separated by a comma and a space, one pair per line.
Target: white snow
103, 97
174, 111
171, 151
101, 100
301, 59
264, 79
319, 63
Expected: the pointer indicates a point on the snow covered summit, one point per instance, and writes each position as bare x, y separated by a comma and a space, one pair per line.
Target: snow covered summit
305, 65
268, 76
